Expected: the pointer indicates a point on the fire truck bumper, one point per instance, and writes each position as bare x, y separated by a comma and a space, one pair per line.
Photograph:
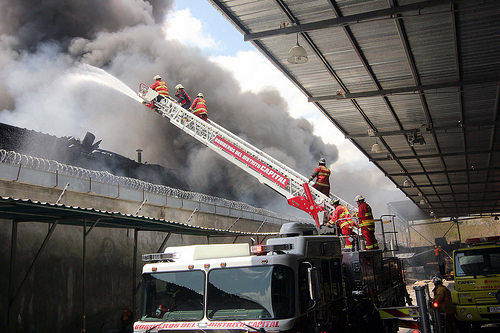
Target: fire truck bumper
482, 313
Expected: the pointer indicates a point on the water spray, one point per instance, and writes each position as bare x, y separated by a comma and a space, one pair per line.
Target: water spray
89, 73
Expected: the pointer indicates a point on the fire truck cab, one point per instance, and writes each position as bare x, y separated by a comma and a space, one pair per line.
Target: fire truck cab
477, 282
293, 283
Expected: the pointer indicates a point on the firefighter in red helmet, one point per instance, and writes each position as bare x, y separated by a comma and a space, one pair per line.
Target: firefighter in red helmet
366, 223
322, 175
342, 218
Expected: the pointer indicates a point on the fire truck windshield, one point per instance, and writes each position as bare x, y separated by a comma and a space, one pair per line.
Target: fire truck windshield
258, 292
173, 296
477, 262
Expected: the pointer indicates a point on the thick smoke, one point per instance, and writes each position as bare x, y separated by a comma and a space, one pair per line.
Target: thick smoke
41, 44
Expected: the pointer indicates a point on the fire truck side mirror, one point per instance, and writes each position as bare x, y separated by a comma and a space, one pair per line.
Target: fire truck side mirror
313, 280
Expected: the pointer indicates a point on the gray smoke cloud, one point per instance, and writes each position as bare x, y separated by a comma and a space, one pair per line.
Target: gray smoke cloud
43, 44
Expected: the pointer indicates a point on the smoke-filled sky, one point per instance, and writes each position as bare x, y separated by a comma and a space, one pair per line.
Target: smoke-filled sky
44, 44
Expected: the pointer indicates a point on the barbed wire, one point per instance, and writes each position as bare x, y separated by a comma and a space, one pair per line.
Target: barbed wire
32, 162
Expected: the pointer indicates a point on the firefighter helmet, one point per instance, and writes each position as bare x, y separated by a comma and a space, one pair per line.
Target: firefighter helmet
157, 77
179, 86
437, 280
359, 198
322, 161
200, 95
336, 202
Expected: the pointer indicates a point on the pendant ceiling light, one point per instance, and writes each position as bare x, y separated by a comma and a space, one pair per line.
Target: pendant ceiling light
297, 54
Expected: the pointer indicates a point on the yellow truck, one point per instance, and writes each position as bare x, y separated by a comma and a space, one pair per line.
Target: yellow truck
477, 282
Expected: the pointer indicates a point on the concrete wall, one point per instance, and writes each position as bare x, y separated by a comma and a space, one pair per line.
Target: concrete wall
51, 300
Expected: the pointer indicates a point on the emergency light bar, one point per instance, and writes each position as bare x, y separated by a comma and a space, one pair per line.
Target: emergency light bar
491, 239
159, 257
264, 249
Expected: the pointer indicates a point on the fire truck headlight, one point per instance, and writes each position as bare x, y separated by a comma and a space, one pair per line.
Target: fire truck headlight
469, 316
462, 310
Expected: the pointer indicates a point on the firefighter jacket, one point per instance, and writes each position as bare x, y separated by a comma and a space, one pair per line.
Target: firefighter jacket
365, 216
443, 298
342, 217
160, 87
199, 106
322, 174
183, 98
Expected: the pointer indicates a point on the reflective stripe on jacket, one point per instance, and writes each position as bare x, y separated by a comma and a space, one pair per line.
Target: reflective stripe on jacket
365, 215
160, 87
323, 176
341, 216
199, 106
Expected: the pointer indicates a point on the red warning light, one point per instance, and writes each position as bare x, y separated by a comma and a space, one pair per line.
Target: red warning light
259, 248
435, 304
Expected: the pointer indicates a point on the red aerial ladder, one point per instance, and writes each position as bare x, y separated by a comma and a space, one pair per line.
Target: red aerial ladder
269, 171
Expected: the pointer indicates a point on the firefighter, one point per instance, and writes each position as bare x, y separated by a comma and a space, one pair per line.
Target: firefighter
342, 219
438, 252
200, 107
443, 303
182, 96
366, 223
322, 175
363, 314
160, 87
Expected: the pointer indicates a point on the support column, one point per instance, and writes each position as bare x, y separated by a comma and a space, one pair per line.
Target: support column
13, 246
134, 269
84, 246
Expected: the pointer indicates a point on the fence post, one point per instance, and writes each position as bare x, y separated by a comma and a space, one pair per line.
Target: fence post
18, 172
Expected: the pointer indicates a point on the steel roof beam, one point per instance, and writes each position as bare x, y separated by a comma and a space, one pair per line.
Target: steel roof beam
435, 155
441, 171
459, 184
345, 20
369, 70
470, 126
496, 111
416, 78
465, 200
409, 89
449, 193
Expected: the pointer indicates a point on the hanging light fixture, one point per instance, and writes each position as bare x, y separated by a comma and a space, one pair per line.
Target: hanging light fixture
297, 54
422, 202
376, 147
406, 183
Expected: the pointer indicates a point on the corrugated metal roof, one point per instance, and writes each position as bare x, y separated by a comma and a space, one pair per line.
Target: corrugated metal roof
35, 211
407, 66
